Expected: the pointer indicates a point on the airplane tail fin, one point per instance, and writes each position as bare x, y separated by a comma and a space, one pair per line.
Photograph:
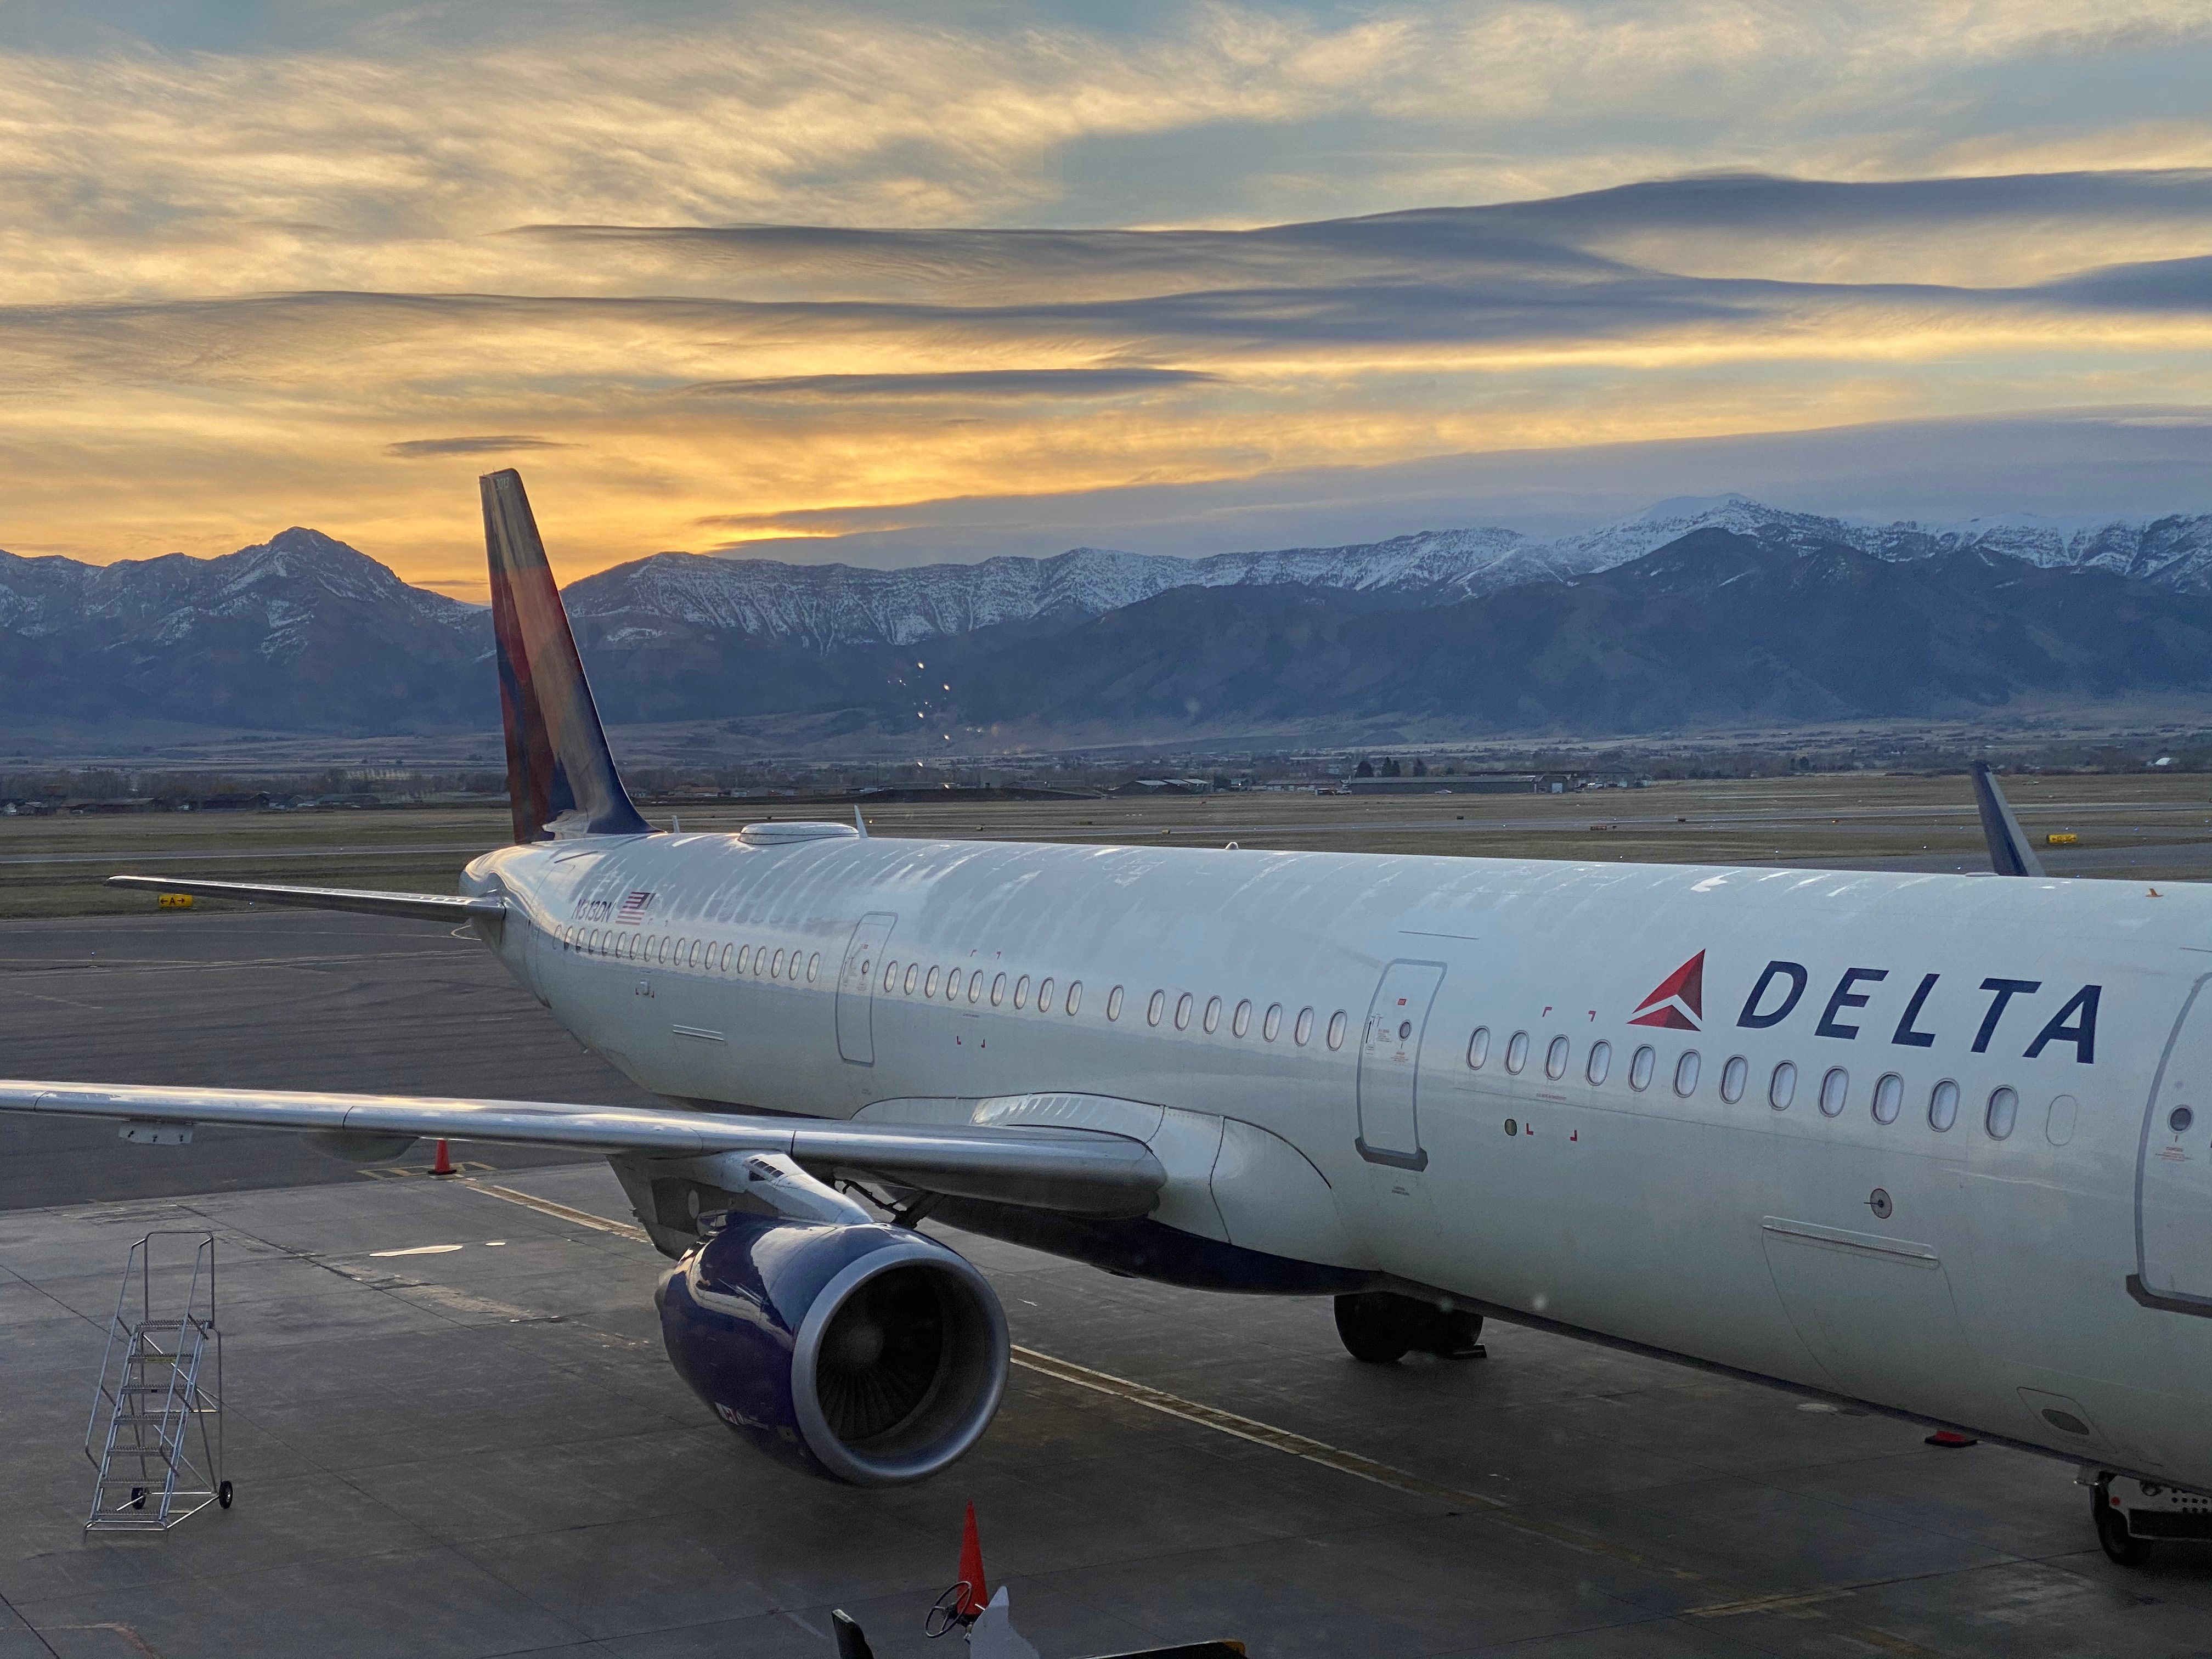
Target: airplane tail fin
560, 778
2010, 854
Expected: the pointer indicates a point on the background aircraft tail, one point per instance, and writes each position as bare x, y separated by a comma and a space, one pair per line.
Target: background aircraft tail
560, 775
2009, 852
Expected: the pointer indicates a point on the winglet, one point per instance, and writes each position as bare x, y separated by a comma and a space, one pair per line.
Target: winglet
2009, 852
560, 778
859, 824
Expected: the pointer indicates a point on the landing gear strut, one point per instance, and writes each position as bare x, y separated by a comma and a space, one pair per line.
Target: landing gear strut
1381, 1328
2118, 1543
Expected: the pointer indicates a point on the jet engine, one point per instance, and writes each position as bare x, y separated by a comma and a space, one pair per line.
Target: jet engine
859, 1351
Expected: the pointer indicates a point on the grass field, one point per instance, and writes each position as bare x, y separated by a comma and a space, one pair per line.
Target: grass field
2157, 828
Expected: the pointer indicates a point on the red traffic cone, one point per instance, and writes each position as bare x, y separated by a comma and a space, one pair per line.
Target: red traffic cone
1949, 1440
974, 1594
444, 1166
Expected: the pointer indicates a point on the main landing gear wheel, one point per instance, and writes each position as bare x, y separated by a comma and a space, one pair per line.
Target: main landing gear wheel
1381, 1328
222, 1494
2118, 1543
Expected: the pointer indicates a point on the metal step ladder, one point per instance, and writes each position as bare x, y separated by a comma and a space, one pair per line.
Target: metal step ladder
160, 1380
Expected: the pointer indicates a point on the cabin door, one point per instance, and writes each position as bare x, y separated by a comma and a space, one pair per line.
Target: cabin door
856, 984
2173, 1168
1390, 1065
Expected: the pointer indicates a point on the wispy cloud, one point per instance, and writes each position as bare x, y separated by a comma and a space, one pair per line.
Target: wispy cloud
790, 270
412, 449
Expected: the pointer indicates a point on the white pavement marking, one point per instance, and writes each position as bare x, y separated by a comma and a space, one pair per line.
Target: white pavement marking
420, 1250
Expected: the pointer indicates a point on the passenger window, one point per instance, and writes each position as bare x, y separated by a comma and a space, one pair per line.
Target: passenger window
913, 969
953, 985
1639, 1067
1600, 1062
1555, 1058
1022, 992
1113, 1002
1336, 1024
1943, 1106
1301, 1033
1157, 1009
727, 949
1685, 1073
891, 973
998, 990
1517, 1052
1213, 1020
794, 967
2005, 1108
976, 985
1734, 1075
1271, 1027
813, 966
776, 969
929, 985
1183, 1012
1782, 1088
1478, 1049
1834, 1087
1241, 1021
1889, 1099
745, 956
1075, 998
1044, 996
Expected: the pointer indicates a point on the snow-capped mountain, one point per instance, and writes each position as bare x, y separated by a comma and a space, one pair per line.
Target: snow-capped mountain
281, 584
305, 633
301, 632
824, 607
2171, 551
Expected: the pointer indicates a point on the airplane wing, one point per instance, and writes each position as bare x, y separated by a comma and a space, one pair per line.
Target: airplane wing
2010, 854
1073, 1172
425, 907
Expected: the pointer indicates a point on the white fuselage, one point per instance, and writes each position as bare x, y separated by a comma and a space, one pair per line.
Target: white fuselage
2052, 1285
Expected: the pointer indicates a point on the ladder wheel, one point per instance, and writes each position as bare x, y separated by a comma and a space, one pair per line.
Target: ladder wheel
222, 1494
137, 1498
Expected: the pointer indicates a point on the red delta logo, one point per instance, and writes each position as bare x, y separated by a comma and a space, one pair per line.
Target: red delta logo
1678, 1001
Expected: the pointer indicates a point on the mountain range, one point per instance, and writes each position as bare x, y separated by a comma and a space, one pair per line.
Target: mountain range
1695, 610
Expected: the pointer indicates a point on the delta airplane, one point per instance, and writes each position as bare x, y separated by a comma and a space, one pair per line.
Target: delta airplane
1939, 1144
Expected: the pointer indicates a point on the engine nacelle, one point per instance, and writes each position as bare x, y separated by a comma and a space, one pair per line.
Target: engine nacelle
862, 1352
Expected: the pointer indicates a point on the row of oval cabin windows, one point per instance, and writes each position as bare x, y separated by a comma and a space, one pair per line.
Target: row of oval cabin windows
757, 962
959, 984
956, 984
1999, 1116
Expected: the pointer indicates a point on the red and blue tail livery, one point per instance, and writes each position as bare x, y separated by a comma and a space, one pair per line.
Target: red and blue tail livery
560, 778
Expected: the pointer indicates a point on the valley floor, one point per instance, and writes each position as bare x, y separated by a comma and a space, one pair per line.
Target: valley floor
2141, 825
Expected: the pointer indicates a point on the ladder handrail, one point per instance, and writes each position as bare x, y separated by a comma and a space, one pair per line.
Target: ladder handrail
152, 1359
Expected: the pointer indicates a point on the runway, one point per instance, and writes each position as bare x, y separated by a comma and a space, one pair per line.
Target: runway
483, 1451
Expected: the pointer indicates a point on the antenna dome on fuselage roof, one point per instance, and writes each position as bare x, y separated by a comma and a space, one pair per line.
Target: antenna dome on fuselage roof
776, 835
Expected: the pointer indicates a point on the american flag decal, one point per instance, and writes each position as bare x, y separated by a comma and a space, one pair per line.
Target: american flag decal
633, 907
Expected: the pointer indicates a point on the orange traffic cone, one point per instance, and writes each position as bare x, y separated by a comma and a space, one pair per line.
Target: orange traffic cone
974, 1594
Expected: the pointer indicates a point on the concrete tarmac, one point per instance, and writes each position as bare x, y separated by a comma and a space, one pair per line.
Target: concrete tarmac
272, 999
482, 1451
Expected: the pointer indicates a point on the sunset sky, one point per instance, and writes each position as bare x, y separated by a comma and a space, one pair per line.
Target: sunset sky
921, 280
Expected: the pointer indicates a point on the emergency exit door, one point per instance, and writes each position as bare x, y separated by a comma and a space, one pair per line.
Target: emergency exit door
1390, 1065
856, 984
2173, 1175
